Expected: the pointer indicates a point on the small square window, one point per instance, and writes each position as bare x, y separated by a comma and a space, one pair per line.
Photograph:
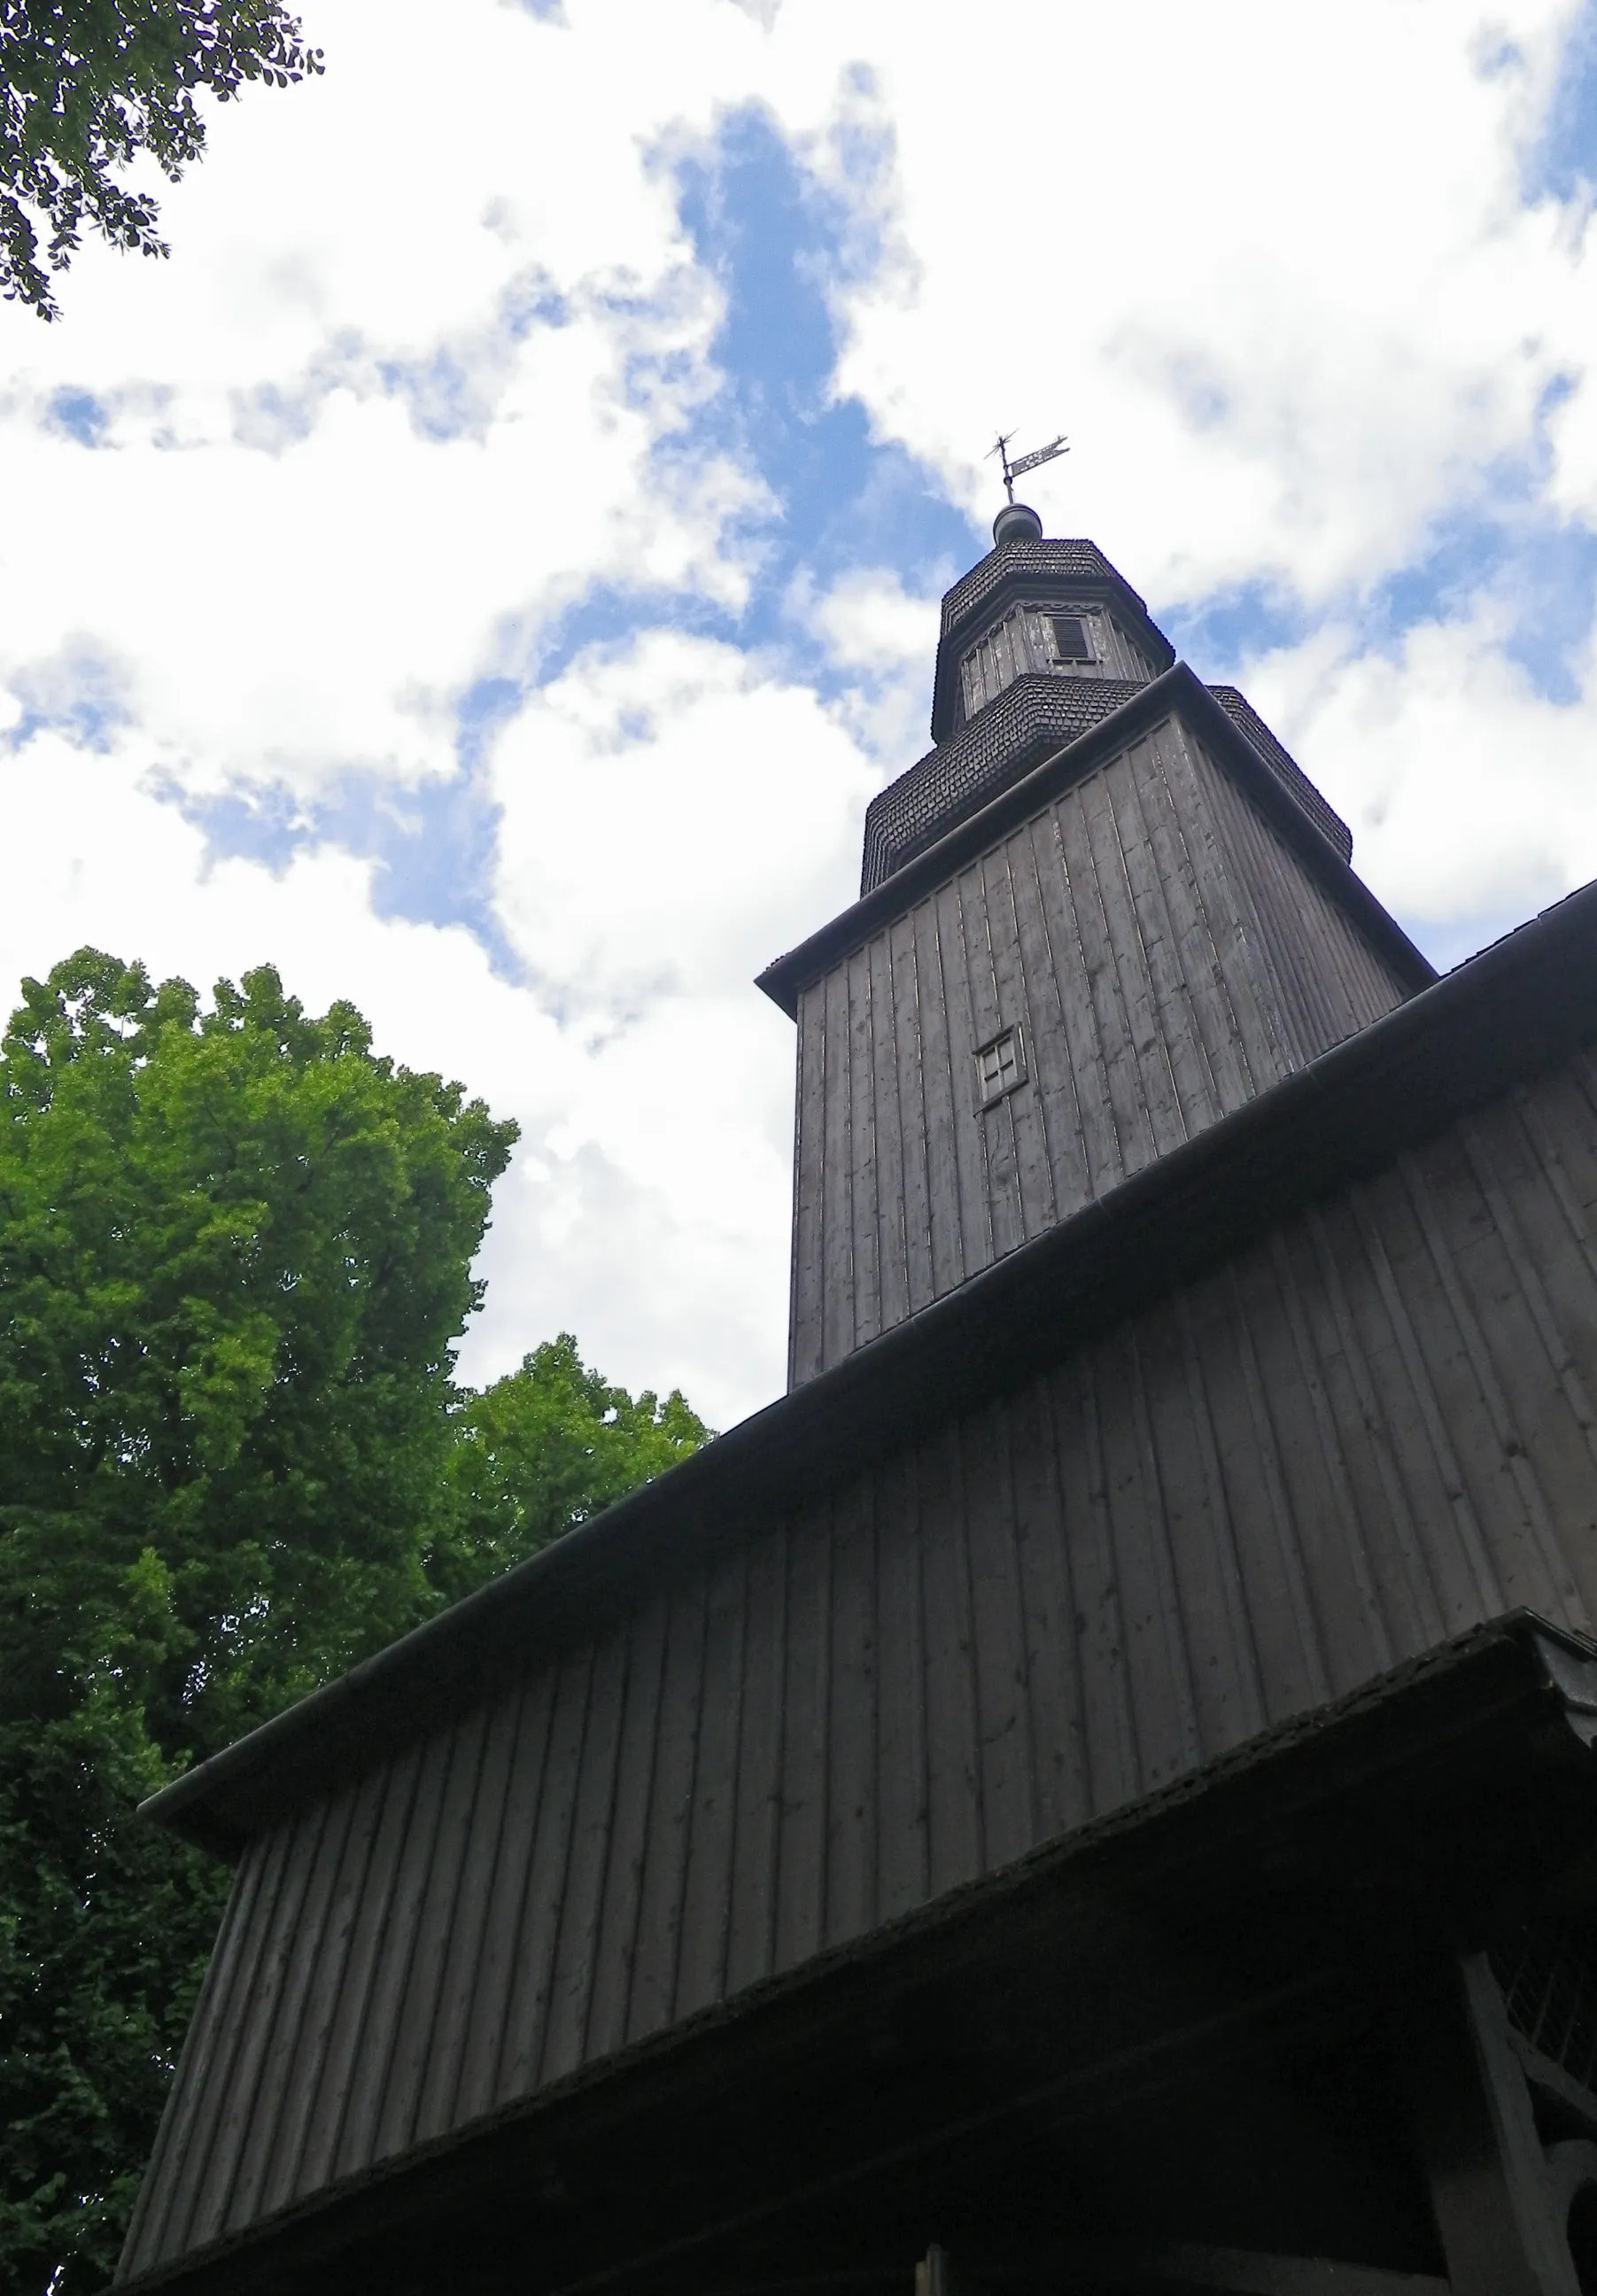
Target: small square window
1000, 1067
1071, 642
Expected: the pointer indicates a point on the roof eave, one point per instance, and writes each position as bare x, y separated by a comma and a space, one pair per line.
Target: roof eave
1524, 1003
785, 979
1496, 1724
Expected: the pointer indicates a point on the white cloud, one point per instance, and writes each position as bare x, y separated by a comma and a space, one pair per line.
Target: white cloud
674, 815
1469, 794
870, 625
305, 578
291, 615
1271, 268
647, 1206
1275, 274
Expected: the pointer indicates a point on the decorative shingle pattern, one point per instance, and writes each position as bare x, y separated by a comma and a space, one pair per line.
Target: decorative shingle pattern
1285, 767
1028, 721
1031, 720
1067, 559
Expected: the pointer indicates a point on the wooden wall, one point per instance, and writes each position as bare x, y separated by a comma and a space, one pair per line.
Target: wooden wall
1167, 956
1370, 1430
1023, 641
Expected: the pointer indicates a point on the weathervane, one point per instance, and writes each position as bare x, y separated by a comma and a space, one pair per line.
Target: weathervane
1023, 462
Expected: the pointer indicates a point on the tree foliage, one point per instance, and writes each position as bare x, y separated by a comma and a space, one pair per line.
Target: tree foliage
86, 85
542, 1450
234, 1250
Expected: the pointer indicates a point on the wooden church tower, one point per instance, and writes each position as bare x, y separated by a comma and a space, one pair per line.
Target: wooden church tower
1093, 1791
1034, 999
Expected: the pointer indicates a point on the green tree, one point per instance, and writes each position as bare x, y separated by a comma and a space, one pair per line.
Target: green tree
234, 1250
540, 1451
85, 85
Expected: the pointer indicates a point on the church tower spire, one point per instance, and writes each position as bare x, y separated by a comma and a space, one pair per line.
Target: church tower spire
1104, 910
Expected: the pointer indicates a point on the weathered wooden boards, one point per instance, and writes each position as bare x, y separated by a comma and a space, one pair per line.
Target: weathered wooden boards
1024, 640
1167, 956
1055, 575
1370, 1430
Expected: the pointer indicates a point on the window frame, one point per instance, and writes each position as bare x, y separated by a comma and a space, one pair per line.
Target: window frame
989, 1094
1084, 623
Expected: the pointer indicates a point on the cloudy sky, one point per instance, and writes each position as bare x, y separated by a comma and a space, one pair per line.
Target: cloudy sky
488, 569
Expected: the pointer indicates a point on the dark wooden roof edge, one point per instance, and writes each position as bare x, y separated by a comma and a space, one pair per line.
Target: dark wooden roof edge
1517, 1670
786, 977
963, 597
1104, 583
1523, 1004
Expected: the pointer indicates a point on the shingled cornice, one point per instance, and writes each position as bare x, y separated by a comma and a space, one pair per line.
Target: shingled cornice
1521, 1005
1075, 560
1282, 803
1036, 719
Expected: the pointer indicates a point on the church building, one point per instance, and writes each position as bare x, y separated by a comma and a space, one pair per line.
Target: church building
1093, 1792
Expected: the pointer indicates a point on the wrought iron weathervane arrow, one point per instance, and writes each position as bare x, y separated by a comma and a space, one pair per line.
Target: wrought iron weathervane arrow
1023, 462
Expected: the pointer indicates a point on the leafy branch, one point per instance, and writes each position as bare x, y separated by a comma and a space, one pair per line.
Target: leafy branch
85, 85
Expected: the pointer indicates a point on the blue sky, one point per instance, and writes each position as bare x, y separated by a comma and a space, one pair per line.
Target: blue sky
507, 601
1561, 157
783, 251
780, 248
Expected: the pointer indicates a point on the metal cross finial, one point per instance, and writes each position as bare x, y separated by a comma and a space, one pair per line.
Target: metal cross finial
1023, 463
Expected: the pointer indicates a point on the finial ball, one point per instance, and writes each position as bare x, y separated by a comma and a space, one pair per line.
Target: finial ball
1016, 522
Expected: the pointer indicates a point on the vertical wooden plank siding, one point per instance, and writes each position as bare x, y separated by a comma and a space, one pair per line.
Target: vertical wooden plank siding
1333, 980
519, 2044
223, 2146
302, 2079
892, 1143
1022, 640
159, 2224
836, 1299
959, 1018
940, 1080
751, 1911
1372, 1429
804, 1324
1166, 955
418, 2020
1029, 1113
799, 1912
712, 1825
592, 1825
468, 1946
904, 1873
850, 1731
870, 1094
657, 1939
910, 1081
485, 1990
953, 1769
608, 1975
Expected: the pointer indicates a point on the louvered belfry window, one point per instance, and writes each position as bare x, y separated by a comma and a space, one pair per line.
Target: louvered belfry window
1070, 639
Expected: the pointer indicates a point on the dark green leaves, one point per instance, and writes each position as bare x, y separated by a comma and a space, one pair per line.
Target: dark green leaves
542, 1450
86, 85
235, 1250
235, 1247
